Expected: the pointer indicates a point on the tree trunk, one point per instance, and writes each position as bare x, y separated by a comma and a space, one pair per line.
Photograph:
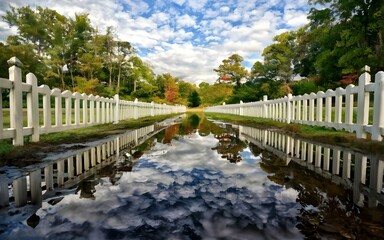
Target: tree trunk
110, 75
61, 74
379, 46
73, 81
118, 80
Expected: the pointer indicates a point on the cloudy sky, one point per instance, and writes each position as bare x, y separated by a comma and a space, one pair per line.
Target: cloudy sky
187, 38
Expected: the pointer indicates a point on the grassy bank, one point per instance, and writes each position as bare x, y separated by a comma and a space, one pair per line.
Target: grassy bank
319, 134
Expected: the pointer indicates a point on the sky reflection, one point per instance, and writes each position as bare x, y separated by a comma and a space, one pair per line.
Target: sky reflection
177, 190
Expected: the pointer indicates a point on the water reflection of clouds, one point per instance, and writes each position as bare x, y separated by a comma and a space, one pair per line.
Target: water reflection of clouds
183, 190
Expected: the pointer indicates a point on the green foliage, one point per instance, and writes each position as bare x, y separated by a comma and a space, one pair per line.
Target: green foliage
305, 86
5, 147
145, 91
215, 94
278, 58
194, 99
86, 86
254, 91
232, 70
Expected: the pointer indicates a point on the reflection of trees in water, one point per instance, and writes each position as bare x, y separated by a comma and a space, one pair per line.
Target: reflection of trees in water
197, 121
230, 145
170, 133
87, 188
194, 121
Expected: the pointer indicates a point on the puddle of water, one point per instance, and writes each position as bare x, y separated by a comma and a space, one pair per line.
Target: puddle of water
205, 180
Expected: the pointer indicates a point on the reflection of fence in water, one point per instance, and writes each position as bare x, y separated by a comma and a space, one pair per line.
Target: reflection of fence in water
363, 173
31, 184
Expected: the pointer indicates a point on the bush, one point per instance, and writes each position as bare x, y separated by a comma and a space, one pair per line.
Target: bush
305, 86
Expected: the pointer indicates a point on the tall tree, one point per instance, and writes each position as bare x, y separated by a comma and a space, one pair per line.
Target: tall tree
171, 89
124, 49
80, 33
278, 57
352, 35
32, 27
194, 99
109, 54
232, 70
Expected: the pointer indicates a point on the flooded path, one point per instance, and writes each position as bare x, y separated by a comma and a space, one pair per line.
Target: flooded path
201, 179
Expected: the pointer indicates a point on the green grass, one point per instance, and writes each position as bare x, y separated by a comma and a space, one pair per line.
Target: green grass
5, 146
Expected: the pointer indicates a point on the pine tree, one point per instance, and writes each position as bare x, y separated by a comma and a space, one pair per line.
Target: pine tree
194, 99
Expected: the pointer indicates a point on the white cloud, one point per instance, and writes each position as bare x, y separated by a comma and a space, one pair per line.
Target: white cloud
197, 4
186, 21
179, 2
188, 38
160, 18
295, 18
224, 9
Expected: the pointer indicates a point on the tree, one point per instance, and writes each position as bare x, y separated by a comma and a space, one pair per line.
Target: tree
215, 94
194, 99
32, 27
136, 70
124, 49
80, 33
278, 57
171, 90
185, 89
232, 70
344, 35
203, 85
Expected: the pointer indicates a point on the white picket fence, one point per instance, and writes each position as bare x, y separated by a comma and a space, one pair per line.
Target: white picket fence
339, 106
88, 110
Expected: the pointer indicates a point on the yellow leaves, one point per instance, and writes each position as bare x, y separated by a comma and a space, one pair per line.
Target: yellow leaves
86, 86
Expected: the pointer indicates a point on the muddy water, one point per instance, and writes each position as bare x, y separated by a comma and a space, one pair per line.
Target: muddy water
198, 180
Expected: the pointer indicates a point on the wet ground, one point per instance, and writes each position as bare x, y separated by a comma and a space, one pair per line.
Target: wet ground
198, 180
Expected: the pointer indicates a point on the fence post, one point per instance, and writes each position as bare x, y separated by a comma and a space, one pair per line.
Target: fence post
4, 193
58, 107
135, 109
328, 107
33, 108
378, 107
349, 106
338, 107
289, 108
77, 97
35, 187
16, 101
85, 108
152, 109
363, 103
241, 110
312, 98
319, 107
117, 108
91, 99
265, 107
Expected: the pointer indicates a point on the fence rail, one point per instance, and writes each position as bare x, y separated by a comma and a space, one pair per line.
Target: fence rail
70, 110
339, 105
